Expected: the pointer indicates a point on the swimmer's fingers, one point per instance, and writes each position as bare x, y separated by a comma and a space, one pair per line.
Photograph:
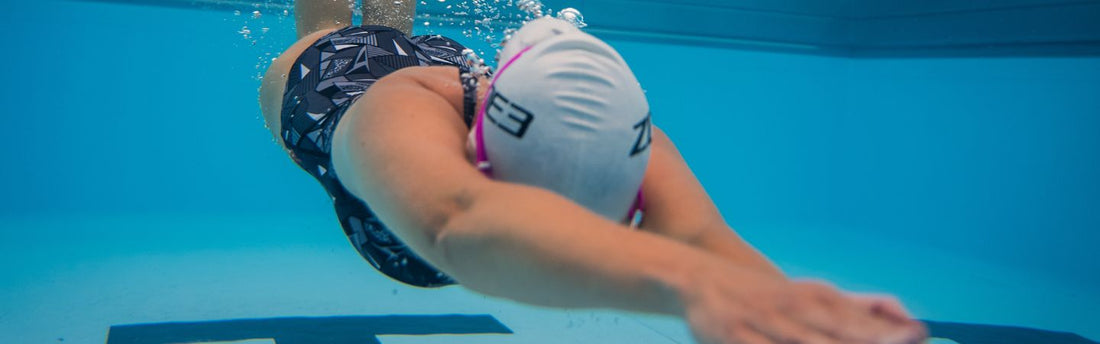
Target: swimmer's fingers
888, 307
848, 319
884, 305
887, 318
817, 312
826, 310
749, 309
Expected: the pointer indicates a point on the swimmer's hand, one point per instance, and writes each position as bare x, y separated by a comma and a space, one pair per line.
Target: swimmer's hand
747, 308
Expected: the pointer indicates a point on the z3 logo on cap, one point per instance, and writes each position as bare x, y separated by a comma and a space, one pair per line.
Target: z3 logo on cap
508, 116
645, 136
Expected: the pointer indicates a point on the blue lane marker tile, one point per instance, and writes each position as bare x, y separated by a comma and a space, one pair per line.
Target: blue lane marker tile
993, 334
302, 330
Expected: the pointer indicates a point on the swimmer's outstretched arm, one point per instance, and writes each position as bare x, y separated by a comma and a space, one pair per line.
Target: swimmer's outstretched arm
400, 149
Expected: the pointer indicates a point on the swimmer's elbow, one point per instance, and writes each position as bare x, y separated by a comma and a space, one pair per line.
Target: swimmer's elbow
463, 224
489, 220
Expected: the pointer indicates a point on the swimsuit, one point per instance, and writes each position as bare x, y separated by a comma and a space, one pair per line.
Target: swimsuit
323, 83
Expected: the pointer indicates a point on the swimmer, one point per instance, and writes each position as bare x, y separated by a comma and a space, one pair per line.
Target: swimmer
413, 148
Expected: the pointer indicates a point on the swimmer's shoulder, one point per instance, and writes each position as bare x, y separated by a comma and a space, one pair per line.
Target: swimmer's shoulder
442, 80
274, 82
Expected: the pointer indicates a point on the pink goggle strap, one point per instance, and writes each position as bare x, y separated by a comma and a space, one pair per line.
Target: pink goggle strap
634, 216
637, 210
483, 164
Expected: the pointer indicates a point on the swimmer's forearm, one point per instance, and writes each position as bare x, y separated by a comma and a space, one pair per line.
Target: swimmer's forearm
723, 242
535, 247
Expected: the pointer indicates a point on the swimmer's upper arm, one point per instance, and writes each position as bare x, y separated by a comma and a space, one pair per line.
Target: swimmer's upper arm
677, 206
676, 203
400, 149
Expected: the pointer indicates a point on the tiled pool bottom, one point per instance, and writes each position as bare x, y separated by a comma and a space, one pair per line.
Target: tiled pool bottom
70, 280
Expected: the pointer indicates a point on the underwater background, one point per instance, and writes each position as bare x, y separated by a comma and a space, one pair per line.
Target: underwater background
901, 147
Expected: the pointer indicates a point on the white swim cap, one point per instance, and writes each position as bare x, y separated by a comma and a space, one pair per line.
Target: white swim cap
565, 113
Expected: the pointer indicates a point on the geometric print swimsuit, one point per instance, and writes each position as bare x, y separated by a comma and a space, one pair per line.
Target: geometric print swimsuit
323, 83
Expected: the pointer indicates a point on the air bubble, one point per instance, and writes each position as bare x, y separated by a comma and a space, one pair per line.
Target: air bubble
484, 19
475, 63
532, 7
573, 16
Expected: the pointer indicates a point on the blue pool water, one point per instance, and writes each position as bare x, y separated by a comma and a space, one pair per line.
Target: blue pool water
140, 186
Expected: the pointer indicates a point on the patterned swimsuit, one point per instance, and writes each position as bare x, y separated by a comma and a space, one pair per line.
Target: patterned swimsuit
323, 83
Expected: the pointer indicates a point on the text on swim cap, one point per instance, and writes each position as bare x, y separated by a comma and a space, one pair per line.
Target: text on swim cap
645, 136
506, 115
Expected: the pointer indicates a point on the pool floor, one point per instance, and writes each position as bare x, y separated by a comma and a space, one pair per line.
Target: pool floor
71, 280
